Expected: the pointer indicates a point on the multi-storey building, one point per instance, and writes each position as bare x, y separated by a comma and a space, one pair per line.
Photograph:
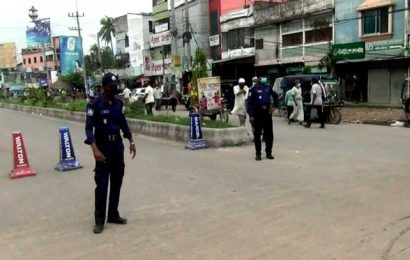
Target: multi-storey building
371, 48
132, 38
236, 40
291, 35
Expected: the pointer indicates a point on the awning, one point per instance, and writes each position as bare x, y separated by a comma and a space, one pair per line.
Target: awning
372, 4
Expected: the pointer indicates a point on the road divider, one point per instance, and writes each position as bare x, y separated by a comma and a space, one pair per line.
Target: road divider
222, 137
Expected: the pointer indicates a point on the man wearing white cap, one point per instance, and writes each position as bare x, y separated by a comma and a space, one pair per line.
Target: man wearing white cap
241, 94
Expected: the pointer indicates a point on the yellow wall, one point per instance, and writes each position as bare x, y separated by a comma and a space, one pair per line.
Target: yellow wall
8, 55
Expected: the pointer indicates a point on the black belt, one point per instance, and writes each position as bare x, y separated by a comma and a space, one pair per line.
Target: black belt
105, 138
263, 107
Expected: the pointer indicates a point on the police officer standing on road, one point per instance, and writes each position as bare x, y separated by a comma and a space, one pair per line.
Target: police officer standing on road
260, 110
103, 124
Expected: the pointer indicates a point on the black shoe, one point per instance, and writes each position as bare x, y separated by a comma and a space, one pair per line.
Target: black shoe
322, 126
307, 126
98, 228
289, 121
117, 220
270, 157
258, 158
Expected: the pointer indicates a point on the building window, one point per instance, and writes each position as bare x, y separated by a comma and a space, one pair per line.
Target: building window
24, 61
35, 59
157, 2
239, 38
41, 59
375, 21
293, 39
127, 41
49, 58
214, 22
29, 60
319, 35
259, 44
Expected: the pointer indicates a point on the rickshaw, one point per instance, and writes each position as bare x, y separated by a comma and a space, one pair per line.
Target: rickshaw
333, 103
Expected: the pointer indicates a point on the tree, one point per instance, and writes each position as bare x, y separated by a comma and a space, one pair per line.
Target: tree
199, 71
75, 80
107, 31
107, 58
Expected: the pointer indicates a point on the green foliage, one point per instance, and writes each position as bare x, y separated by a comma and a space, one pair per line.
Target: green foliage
77, 105
307, 70
135, 108
179, 120
75, 80
107, 58
107, 30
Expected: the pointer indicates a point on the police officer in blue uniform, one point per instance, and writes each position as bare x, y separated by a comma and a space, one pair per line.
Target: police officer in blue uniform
260, 107
104, 121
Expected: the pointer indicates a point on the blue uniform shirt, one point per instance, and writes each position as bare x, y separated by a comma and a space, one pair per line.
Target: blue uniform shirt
259, 96
105, 119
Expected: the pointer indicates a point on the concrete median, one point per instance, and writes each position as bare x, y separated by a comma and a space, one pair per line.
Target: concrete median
223, 137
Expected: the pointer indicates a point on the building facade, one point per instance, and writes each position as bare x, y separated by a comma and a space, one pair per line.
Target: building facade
40, 64
371, 48
237, 43
292, 35
8, 55
132, 38
157, 59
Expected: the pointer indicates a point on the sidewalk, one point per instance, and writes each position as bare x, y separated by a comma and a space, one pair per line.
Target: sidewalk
369, 115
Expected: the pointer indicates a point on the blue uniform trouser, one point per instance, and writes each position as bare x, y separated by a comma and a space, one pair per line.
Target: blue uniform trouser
263, 122
112, 170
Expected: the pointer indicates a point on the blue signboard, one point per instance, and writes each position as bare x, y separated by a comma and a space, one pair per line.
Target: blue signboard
70, 54
40, 33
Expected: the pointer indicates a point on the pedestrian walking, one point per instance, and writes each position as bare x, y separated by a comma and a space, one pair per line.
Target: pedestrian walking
173, 95
260, 108
149, 98
126, 95
298, 113
241, 92
318, 95
158, 98
104, 121
289, 104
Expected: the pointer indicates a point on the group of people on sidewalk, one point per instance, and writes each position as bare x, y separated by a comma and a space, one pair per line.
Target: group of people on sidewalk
153, 97
294, 104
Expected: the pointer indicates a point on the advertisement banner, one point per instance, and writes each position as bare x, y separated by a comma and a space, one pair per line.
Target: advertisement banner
160, 39
40, 33
209, 93
70, 54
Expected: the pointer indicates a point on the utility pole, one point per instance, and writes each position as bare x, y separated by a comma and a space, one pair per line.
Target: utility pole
174, 33
187, 37
78, 28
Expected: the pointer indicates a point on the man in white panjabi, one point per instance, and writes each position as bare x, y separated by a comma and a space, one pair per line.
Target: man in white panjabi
298, 113
241, 94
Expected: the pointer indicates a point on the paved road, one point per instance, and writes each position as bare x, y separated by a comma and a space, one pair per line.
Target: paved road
338, 193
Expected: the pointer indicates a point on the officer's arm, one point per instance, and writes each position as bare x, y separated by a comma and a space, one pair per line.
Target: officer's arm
89, 124
250, 104
124, 126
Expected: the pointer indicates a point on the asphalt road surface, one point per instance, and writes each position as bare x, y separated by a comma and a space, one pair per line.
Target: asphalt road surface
336, 193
